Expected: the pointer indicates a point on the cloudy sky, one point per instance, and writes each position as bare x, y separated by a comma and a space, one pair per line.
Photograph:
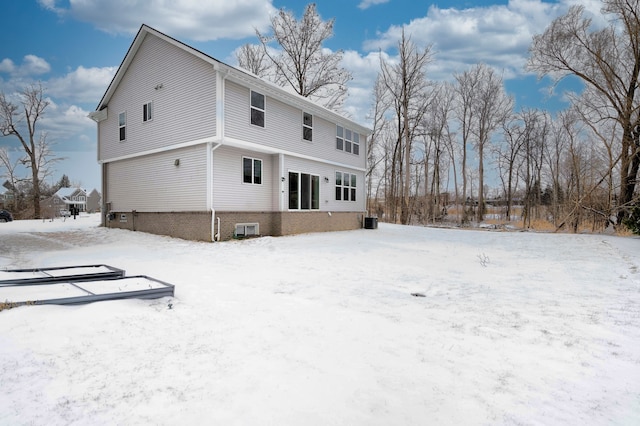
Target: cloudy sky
74, 48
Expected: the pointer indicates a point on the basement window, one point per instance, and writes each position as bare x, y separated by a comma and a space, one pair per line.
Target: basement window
247, 229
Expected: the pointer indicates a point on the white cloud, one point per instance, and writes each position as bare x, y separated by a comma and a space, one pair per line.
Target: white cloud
191, 19
365, 4
32, 65
82, 84
64, 126
7, 65
498, 35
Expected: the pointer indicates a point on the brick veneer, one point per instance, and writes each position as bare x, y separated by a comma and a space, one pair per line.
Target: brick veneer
197, 225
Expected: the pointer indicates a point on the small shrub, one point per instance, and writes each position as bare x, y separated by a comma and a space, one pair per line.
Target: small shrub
633, 221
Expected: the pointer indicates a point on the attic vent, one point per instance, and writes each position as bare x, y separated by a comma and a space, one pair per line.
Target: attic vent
247, 229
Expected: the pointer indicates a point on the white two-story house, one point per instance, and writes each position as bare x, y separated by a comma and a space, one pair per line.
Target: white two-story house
194, 148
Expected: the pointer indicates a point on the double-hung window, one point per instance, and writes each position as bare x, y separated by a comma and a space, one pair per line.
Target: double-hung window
146, 112
345, 186
304, 191
257, 109
251, 170
347, 140
356, 143
122, 125
307, 126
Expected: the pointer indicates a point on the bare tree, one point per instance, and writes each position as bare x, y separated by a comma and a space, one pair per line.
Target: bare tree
508, 154
608, 62
492, 107
437, 135
300, 62
252, 58
466, 86
375, 143
407, 84
20, 120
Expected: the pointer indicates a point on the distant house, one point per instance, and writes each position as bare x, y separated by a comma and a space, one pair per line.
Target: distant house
194, 148
66, 199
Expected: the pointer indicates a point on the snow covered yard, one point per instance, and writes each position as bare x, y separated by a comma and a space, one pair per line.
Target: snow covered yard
319, 329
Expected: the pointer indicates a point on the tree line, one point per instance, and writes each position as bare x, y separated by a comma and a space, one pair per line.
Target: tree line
574, 168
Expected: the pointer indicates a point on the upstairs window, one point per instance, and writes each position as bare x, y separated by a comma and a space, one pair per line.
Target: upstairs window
257, 109
146, 112
122, 125
307, 126
356, 143
347, 140
251, 170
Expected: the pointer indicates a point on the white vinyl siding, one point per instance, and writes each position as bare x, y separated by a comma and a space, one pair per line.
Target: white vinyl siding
229, 191
154, 183
327, 186
283, 128
182, 90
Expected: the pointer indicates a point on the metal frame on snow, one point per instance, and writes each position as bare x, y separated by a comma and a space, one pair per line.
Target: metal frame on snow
156, 289
58, 274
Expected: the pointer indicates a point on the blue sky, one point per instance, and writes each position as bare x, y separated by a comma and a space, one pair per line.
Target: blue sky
74, 47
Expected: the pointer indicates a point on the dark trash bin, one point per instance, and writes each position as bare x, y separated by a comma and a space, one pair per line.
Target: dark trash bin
370, 223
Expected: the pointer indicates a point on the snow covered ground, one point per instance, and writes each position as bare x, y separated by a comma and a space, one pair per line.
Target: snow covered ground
322, 329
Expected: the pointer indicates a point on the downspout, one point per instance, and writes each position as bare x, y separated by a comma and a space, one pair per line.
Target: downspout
214, 236
99, 116
221, 76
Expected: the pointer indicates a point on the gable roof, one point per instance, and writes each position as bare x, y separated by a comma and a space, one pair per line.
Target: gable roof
65, 193
241, 76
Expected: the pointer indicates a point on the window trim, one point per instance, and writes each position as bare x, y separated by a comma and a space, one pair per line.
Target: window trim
253, 171
147, 112
348, 134
313, 189
122, 126
307, 127
349, 141
346, 186
257, 108
244, 226
355, 144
